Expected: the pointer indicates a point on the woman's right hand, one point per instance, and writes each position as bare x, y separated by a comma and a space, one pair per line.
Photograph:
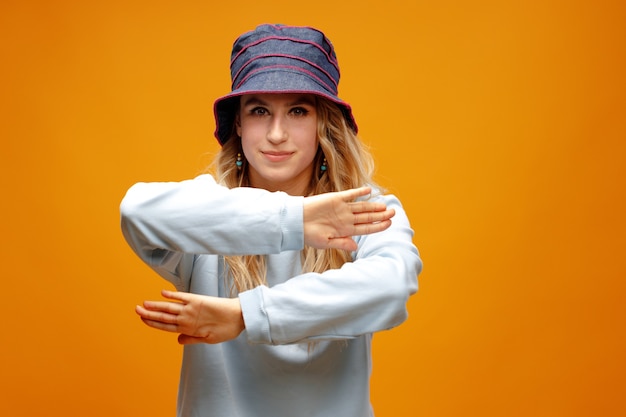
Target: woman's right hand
331, 219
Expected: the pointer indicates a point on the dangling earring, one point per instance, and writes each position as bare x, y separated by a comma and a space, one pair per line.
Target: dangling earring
239, 162
324, 166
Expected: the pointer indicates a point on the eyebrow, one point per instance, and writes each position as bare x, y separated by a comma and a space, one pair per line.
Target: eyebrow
255, 101
303, 100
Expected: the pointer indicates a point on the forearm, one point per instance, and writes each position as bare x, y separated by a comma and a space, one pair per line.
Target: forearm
364, 296
200, 217
337, 304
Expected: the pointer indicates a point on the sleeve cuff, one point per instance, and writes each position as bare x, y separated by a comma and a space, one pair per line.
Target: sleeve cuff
292, 224
254, 316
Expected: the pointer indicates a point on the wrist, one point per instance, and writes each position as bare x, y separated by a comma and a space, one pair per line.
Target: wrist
238, 321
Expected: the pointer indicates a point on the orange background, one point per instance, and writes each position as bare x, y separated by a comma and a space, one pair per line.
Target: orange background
501, 126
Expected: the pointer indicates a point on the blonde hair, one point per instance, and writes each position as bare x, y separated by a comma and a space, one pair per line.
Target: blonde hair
350, 165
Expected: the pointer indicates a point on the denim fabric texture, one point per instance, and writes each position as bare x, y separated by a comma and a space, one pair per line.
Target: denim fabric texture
280, 59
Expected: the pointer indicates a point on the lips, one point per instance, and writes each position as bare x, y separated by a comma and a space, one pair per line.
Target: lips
276, 156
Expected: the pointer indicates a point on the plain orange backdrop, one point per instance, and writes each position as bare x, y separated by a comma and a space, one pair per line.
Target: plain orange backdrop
500, 125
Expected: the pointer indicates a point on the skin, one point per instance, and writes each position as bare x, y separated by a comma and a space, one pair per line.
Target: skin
279, 140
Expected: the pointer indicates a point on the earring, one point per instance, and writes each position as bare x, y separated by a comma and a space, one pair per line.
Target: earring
324, 166
239, 162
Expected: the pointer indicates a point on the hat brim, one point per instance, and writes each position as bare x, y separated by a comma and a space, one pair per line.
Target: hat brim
271, 82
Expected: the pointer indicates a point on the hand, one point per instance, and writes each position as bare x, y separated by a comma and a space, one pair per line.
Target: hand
198, 318
331, 219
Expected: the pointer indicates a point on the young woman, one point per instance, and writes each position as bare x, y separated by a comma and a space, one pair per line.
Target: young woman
287, 260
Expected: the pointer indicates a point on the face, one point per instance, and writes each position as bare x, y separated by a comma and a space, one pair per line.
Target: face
279, 140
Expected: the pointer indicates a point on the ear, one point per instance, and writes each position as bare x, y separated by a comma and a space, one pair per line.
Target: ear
238, 124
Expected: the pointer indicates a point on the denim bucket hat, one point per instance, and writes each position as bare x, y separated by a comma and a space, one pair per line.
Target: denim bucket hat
280, 59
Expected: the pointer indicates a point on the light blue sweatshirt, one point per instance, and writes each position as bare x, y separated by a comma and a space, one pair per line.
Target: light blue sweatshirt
180, 229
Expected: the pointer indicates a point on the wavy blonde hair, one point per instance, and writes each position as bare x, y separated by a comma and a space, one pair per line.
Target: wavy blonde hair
350, 165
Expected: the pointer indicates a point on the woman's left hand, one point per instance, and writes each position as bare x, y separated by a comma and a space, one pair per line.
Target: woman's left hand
198, 318
331, 219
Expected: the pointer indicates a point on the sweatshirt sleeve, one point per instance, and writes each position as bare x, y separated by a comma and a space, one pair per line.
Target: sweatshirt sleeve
167, 223
363, 296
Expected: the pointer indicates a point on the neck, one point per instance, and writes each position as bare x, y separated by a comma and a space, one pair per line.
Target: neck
295, 187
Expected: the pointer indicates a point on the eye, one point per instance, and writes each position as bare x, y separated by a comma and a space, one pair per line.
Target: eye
258, 111
299, 111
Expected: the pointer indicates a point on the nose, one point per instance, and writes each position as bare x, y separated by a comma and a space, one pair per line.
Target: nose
277, 131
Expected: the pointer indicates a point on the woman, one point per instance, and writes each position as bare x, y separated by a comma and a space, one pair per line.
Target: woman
288, 261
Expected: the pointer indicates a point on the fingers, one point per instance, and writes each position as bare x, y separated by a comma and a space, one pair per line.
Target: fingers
373, 217
184, 339
348, 244
163, 306
157, 319
369, 228
177, 295
353, 194
364, 224
372, 222
367, 206
162, 315
172, 328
